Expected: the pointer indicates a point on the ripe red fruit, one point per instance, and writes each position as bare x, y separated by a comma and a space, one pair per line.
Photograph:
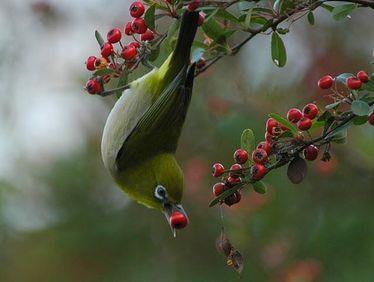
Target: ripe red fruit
235, 170
240, 156
106, 49
136, 9
201, 63
128, 29
304, 124
371, 118
93, 86
233, 199
325, 82
259, 156
270, 124
353, 83
265, 145
258, 171
178, 220
218, 188
311, 153
114, 35
231, 181
147, 36
270, 138
101, 63
139, 26
294, 115
193, 5
217, 169
277, 130
135, 44
90, 63
310, 111
129, 52
363, 76
201, 19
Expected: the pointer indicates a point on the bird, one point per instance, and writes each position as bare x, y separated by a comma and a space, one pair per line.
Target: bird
141, 134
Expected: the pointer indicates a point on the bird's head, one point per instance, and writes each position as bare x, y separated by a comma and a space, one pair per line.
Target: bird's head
173, 211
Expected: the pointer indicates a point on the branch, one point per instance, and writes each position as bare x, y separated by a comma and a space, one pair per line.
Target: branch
274, 22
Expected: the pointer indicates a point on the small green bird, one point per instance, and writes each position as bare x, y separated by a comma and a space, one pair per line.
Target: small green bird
142, 131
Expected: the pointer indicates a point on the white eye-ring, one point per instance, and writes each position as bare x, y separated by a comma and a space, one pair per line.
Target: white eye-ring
160, 193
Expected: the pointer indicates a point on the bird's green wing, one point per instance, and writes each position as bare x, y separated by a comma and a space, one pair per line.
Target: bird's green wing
159, 128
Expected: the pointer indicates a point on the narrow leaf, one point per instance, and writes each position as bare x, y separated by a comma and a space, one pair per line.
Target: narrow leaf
359, 120
259, 187
248, 16
99, 38
284, 122
328, 8
247, 141
311, 18
278, 51
342, 11
149, 17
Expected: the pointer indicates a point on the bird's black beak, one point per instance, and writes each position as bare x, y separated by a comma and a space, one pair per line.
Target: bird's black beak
169, 209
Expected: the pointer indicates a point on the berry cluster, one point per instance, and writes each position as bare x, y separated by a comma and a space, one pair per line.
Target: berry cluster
114, 62
288, 140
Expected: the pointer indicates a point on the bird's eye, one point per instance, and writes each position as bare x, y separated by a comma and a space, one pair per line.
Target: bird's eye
160, 193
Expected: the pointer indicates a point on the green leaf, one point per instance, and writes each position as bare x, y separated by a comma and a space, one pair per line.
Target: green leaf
247, 141
333, 105
213, 29
340, 137
368, 86
327, 7
248, 16
359, 120
311, 18
360, 108
283, 30
343, 77
342, 11
337, 131
173, 28
149, 17
284, 122
122, 81
278, 51
99, 38
259, 187
103, 72
277, 5
222, 13
154, 54
317, 124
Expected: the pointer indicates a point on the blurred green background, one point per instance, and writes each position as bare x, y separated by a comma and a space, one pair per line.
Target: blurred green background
62, 218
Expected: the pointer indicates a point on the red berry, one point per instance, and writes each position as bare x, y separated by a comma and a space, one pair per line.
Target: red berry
235, 170
311, 153
353, 83
135, 44
270, 138
128, 29
93, 86
193, 5
265, 145
371, 118
201, 19
147, 36
233, 199
178, 220
136, 9
138, 26
101, 63
90, 63
277, 130
363, 76
310, 111
218, 169
114, 35
294, 115
270, 124
232, 181
304, 124
218, 188
258, 171
325, 82
240, 156
259, 156
106, 50
129, 52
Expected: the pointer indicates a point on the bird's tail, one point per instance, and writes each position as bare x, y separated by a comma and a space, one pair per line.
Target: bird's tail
187, 32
